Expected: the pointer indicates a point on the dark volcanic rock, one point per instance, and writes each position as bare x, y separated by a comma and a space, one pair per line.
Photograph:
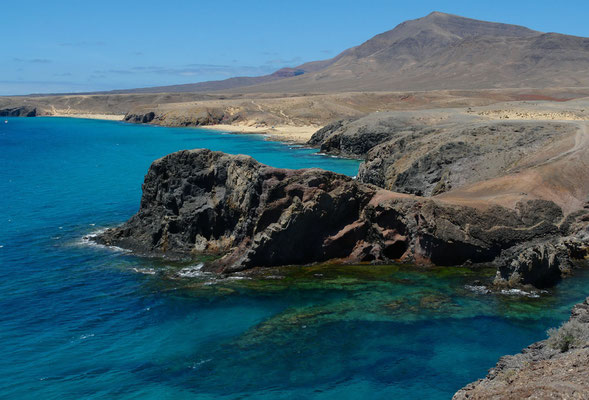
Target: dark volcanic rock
542, 262
253, 215
556, 368
355, 138
23, 111
140, 118
199, 117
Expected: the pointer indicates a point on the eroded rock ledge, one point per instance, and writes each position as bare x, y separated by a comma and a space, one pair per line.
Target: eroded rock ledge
20, 111
252, 215
556, 368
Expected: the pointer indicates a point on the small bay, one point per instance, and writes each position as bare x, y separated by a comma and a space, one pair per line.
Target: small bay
81, 321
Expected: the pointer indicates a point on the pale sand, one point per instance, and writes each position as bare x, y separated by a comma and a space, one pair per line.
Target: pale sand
287, 133
535, 115
109, 117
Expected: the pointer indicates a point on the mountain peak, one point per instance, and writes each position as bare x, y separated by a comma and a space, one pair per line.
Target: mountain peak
436, 51
418, 39
467, 27
440, 14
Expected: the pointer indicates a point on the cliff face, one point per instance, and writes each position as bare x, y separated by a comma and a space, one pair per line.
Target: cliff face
431, 152
197, 117
20, 111
253, 215
556, 368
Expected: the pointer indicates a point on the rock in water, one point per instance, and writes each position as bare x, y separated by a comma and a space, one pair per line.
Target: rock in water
251, 215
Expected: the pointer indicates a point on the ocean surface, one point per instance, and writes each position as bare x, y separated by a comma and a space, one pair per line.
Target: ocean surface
85, 322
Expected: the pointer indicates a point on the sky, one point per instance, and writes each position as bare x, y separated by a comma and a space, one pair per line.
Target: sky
77, 46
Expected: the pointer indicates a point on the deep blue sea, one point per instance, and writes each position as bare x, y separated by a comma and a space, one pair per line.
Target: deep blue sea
84, 322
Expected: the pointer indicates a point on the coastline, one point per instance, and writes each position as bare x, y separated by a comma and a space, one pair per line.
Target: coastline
552, 368
106, 117
282, 133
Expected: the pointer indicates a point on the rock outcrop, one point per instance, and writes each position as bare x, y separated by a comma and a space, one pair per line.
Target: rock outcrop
556, 368
197, 117
21, 111
252, 215
428, 153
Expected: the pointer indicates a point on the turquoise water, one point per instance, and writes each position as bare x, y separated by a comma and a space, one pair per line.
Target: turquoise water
84, 322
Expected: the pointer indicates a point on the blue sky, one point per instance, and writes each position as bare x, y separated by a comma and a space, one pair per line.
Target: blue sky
73, 46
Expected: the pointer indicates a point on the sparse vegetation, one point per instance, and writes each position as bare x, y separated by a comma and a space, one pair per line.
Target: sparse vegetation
570, 334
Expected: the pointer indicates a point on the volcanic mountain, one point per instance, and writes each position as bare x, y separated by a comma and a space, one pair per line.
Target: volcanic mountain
439, 51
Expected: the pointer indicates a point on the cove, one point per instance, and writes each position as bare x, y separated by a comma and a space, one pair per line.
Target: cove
79, 321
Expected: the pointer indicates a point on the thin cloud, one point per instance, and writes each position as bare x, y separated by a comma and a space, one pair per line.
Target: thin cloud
82, 44
32, 60
282, 61
40, 82
192, 70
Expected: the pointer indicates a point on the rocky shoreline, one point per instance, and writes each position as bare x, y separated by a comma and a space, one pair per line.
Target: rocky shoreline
18, 111
251, 215
554, 368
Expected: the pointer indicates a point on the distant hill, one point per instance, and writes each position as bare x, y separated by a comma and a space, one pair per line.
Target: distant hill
439, 51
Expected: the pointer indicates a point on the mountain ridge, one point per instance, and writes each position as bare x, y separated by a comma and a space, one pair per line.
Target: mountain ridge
437, 52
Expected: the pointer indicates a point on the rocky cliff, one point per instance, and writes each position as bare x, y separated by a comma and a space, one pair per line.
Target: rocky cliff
18, 111
431, 152
197, 117
252, 215
556, 368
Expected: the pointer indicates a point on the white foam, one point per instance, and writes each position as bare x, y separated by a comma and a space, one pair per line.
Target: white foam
214, 281
480, 289
87, 241
519, 292
193, 271
236, 278
82, 337
145, 271
197, 364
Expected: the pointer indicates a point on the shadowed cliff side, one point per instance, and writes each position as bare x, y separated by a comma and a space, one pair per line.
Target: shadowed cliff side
204, 202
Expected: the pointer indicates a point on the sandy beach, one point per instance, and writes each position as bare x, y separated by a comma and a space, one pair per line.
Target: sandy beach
283, 133
286, 133
109, 117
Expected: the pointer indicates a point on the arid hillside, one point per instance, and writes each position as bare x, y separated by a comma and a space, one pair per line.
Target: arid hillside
438, 51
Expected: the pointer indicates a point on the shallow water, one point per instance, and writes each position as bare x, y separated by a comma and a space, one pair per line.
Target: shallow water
80, 321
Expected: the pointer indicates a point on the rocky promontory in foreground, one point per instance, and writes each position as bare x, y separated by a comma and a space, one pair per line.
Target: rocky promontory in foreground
556, 368
251, 215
